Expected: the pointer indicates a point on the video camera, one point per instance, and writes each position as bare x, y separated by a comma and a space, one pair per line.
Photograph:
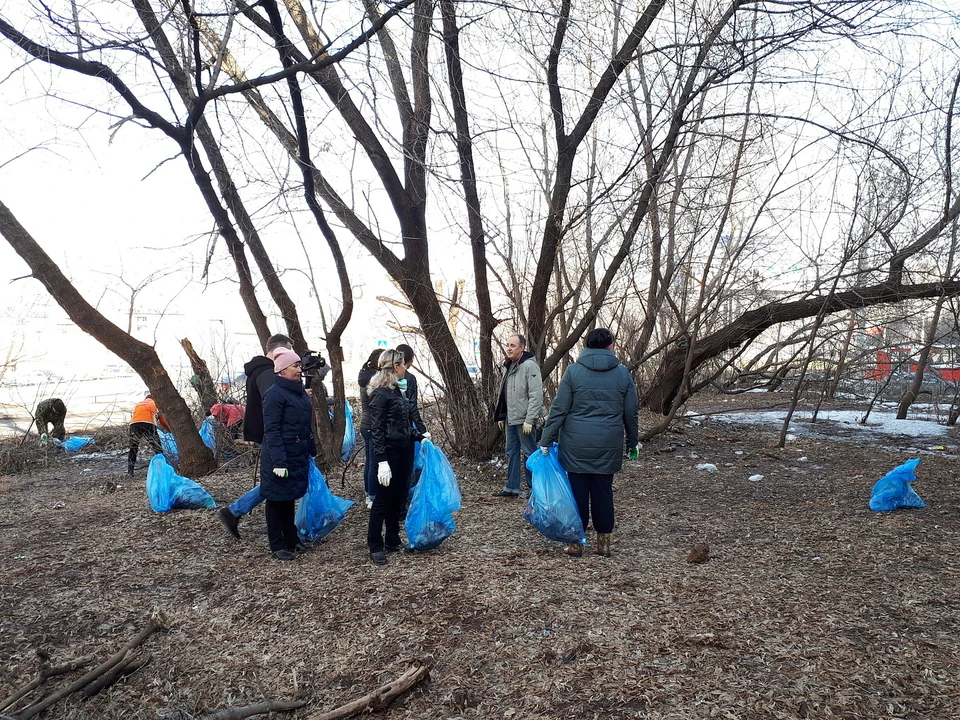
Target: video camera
313, 365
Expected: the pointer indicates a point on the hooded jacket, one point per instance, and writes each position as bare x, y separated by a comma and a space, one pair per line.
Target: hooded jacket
521, 392
253, 414
596, 405
287, 440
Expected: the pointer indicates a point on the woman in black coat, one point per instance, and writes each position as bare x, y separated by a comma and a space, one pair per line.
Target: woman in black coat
287, 451
394, 433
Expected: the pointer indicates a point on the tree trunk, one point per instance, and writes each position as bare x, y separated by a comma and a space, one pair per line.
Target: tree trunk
669, 376
195, 457
205, 386
910, 394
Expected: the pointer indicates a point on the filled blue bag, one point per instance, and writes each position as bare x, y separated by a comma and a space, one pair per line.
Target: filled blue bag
208, 432
319, 511
552, 509
169, 491
169, 446
72, 444
349, 434
893, 490
435, 499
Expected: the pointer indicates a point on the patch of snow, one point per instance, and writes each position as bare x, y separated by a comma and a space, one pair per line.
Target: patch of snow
709, 467
881, 422
755, 478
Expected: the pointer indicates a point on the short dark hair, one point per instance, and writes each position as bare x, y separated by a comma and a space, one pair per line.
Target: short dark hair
520, 339
408, 354
599, 338
275, 341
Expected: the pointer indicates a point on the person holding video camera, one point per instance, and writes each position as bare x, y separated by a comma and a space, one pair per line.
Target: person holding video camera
394, 433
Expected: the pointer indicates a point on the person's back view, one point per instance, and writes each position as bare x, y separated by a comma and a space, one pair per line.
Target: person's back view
143, 427
260, 377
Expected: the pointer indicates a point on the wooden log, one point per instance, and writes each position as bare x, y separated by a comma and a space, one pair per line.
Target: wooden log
379, 698
157, 622
262, 708
43, 674
127, 666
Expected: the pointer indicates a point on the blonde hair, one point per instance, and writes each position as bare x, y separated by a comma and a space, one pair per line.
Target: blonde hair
386, 377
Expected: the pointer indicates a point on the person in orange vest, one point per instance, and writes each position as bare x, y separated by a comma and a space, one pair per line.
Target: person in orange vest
143, 426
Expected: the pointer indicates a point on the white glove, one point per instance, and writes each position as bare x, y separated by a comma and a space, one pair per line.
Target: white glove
281, 472
383, 473
427, 436
527, 428
545, 450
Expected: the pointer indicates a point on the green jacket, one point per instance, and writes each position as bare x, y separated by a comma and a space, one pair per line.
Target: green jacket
596, 405
521, 390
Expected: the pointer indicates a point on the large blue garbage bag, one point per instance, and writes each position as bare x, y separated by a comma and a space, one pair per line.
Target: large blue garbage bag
319, 511
552, 509
893, 490
169, 446
435, 499
208, 432
349, 434
72, 444
169, 491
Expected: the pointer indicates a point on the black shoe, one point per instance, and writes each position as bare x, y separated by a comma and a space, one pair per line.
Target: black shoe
130, 469
402, 547
283, 555
506, 493
300, 548
230, 521
379, 558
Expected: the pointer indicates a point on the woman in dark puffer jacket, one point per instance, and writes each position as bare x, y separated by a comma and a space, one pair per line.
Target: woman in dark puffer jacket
367, 372
287, 451
393, 431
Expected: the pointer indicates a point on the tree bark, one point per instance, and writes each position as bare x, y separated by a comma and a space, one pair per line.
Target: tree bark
379, 698
195, 457
205, 387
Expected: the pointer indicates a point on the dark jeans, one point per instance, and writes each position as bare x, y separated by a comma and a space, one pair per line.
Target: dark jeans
390, 501
142, 431
370, 484
594, 492
281, 528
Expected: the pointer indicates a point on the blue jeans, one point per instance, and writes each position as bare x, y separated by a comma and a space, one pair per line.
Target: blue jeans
519, 448
246, 502
370, 483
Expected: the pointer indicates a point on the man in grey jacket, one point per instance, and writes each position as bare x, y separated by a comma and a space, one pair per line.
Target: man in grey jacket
519, 410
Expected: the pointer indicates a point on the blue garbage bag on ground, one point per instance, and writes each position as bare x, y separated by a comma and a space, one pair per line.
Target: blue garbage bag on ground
76, 442
552, 509
169, 491
169, 446
208, 432
319, 511
893, 490
435, 499
349, 434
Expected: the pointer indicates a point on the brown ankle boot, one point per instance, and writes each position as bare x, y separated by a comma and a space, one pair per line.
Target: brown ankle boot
603, 544
574, 550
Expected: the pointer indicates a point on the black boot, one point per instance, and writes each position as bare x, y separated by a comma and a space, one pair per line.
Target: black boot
230, 521
130, 465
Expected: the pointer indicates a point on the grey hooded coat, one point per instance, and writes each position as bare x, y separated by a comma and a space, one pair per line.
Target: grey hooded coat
595, 407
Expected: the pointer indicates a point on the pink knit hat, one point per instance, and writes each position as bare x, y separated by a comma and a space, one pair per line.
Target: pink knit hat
284, 358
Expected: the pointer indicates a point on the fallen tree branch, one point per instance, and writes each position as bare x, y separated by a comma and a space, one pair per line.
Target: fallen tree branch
262, 708
157, 622
127, 666
381, 697
43, 674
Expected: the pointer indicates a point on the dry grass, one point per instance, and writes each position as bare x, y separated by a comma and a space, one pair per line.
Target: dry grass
811, 605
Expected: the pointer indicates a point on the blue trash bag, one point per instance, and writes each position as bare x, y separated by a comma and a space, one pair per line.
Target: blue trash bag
552, 509
319, 511
208, 432
169, 446
893, 490
435, 499
72, 444
349, 434
169, 491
